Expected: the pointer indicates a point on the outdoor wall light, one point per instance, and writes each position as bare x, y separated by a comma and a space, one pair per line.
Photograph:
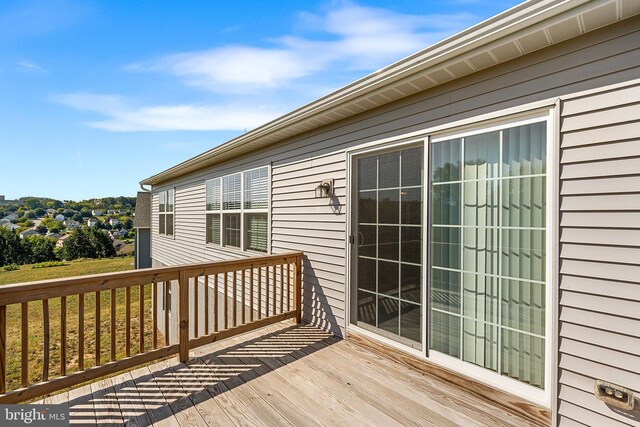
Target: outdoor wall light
325, 188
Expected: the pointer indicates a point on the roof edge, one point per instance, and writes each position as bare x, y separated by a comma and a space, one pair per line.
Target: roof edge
495, 28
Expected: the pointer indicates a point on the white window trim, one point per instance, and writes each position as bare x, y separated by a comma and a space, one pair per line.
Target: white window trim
163, 214
545, 110
494, 379
242, 211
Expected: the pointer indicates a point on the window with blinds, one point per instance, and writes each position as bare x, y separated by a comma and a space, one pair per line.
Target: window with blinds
213, 205
237, 210
488, 232
165, 212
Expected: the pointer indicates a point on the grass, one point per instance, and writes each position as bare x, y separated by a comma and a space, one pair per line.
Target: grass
27, 273
36, 328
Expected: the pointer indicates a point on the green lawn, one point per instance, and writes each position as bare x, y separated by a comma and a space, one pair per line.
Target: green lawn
36, 330
74, 268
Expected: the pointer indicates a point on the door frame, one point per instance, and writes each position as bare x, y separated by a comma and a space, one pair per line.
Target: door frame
351, 265
549, 109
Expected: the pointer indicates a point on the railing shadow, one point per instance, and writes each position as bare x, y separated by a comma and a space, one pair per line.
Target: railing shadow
177, 387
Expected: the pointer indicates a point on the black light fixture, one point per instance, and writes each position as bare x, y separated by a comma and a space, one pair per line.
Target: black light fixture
325, 188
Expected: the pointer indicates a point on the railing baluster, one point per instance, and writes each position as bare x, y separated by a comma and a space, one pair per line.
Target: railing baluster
274, 286
113, 324
25, 344
242, 299
97, 328
226, 301
81, 332
215, 303
154, 312
141, 304
281, 288
297, 289
206, 304
196, 306
266, 291
3, 348
259, 293
127, 321
251, 293
63, 335
234, 307
45, 344
167, 304
288, 286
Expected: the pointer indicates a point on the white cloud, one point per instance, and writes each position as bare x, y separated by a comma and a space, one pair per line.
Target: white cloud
122, 116
356, 37
30, 66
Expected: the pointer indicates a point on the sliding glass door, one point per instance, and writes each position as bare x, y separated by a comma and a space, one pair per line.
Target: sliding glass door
487, 260
387, 296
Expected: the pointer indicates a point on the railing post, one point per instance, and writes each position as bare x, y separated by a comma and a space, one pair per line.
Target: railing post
183, 316
297, 290
3, 348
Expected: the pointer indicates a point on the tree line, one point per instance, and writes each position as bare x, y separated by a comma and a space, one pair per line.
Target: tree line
83, 242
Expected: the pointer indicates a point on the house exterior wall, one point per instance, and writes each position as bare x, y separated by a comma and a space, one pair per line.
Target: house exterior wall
599, 323
301, 222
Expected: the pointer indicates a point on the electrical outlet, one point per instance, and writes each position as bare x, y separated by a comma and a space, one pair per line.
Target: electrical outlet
614, 395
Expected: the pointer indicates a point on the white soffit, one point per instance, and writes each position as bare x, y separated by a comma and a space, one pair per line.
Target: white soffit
523, 29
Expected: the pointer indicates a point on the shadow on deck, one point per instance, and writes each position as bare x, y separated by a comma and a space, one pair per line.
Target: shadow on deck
282, 374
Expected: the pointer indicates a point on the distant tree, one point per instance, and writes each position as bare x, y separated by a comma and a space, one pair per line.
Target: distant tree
30, 214
40, 212
11, 250
77, 217
131, 234
41, 229
128, 224
38, 249
52, 225
32, 203
85, 212
87, 242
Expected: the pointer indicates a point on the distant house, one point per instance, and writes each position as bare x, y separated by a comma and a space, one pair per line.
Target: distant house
92, 222
119, 234
61, 240
53, 235
114, 221
11, 217
10, 226
97, 212
71, 224
51, 212
59, 218
27, 233
4, 221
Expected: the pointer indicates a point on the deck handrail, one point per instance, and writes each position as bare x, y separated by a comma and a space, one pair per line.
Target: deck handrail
261, 290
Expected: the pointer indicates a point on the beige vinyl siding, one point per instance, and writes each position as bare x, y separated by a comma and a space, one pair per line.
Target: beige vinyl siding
299, 221
599, 326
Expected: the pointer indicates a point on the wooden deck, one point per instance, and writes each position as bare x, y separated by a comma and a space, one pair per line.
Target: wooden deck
281, 375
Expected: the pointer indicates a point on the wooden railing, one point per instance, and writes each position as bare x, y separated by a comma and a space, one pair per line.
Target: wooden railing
65, 319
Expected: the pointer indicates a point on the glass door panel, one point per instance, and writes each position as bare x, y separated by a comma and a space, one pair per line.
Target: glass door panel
487, 260
387, 296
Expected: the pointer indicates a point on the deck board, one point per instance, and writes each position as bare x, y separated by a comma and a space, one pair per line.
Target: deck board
281, 375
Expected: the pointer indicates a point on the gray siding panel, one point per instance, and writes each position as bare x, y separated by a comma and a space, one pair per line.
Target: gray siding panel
599, 324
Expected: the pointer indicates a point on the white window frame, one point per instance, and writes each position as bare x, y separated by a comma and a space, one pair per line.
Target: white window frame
162, 215
495, 379
545, 110
242, 211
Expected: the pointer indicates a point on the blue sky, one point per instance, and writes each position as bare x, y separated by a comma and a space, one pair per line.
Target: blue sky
97, 95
